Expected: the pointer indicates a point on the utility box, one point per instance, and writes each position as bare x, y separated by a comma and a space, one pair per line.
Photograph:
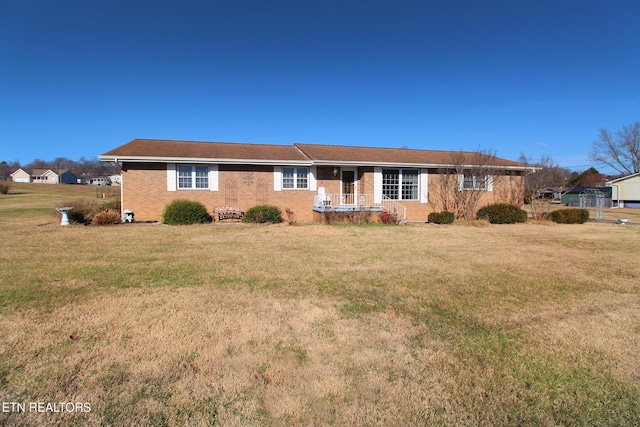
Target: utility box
127, 215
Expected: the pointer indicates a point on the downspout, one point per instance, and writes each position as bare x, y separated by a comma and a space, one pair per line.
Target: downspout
121, 188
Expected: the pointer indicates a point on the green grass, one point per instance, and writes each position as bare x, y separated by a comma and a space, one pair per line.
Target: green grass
353, 325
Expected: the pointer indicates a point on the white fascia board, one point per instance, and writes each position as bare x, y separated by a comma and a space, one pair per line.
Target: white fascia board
633, 175
205, 160
299, 163
416, 165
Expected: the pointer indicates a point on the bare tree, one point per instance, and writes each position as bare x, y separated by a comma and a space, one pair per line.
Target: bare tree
510, 188
621, 151
547, 178
464, 182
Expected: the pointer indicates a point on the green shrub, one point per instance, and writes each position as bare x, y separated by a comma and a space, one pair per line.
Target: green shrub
83, 210
106, 217
183, 212
502, 213
441, 217
570, 216
263, 213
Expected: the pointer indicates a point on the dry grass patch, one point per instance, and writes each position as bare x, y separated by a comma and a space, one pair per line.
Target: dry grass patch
351, 325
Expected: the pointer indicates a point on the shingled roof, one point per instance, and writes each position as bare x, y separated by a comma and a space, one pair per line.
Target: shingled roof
153, 150
331, 154
163, 150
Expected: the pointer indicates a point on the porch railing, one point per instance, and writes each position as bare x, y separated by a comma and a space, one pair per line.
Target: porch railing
360, 201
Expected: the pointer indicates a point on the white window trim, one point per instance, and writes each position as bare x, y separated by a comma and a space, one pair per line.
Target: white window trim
377, 184
277, 178
424, 186
295, 178
420, 178
172, 178
488, 183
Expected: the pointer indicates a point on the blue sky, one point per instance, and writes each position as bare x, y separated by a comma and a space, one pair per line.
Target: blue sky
79, 78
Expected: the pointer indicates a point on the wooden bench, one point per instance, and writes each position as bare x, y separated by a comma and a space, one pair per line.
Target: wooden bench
227, 212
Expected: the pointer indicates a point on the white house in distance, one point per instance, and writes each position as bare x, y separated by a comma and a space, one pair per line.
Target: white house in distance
45, 176
21, 175
625, 191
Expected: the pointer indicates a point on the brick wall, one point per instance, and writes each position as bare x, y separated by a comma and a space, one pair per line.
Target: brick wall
144, 190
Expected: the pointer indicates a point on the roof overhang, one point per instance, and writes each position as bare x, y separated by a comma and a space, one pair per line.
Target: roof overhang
191, 160
613, 181
417, 165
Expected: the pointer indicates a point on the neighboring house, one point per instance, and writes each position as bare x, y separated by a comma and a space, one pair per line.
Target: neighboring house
625, 191
308, 179
21, 175
67, 177
46, 176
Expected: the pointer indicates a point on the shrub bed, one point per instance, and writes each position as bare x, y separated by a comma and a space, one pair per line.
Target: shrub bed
106, 217
441, 217
184, 212
262, 214
389, 218
570, 216
502, 213
83, 210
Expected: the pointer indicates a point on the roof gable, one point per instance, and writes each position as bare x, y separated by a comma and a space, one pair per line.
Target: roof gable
624, 178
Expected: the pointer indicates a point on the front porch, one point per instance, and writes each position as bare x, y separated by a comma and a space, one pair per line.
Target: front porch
358, 203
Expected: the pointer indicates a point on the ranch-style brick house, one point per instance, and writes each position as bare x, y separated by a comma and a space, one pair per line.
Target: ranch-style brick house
307, 179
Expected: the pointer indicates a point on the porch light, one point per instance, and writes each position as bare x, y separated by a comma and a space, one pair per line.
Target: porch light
335, 171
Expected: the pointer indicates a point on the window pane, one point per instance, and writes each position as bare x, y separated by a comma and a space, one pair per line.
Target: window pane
202, 177
390, 183
468, 181
481, 182
184, 176
409, 184
287, 177
302, 178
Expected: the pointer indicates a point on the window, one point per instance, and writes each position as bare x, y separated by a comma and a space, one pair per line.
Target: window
193, 177
400, 184
474, 182
295, 178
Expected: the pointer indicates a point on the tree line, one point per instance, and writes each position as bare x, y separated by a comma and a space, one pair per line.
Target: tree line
84, 166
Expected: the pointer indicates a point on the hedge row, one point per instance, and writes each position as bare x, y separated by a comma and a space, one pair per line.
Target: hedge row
502, 213
570, 216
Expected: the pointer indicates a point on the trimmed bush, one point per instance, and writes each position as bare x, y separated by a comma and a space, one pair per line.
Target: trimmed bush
570, 216
441, 217
83, 210
262, 214
184, 212
502, 213
106, 217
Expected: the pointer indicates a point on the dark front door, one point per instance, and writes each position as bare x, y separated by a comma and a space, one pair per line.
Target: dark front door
348, 187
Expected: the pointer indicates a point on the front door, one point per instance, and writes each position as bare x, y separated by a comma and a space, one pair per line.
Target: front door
348, 187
